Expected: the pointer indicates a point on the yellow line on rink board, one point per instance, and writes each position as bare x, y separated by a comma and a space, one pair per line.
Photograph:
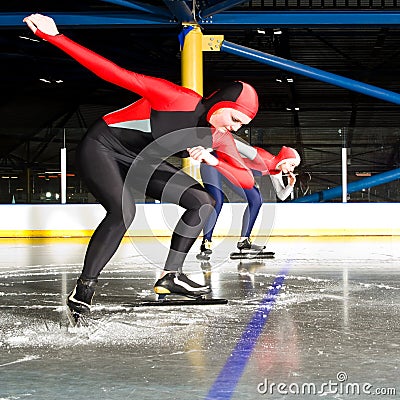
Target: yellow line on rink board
304, 232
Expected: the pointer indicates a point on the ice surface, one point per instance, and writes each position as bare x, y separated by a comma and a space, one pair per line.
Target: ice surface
337, 311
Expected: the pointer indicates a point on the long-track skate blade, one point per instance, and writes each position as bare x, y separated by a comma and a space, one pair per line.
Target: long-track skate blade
244, 255
203, 256
75, 319
180, 302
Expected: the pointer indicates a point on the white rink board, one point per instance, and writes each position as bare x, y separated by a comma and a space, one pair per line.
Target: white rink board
280, 219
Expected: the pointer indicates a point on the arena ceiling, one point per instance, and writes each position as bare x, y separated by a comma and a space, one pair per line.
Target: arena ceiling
47, 98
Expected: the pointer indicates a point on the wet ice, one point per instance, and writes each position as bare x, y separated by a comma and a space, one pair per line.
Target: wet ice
338, 310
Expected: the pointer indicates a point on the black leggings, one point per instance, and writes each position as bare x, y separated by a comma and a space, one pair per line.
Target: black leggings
103, 162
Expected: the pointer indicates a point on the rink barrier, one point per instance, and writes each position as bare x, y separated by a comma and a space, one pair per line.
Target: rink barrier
275, 219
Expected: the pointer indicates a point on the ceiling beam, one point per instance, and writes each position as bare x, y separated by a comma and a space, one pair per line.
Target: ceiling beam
226, 20
314, 73
283, 19
92, 19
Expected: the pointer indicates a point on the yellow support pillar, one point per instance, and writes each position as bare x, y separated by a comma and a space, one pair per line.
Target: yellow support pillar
192, 73
192, 78
192, 60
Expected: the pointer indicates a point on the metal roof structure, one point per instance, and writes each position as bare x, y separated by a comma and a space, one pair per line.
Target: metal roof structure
47, 98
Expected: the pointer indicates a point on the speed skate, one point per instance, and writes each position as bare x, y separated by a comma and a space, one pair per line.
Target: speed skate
177, 284
249, 250
249, 254
174, 300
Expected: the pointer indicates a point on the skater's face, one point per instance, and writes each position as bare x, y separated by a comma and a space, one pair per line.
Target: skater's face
228, 119
288, 165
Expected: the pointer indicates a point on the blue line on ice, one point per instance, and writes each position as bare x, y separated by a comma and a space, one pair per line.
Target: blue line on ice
232, 371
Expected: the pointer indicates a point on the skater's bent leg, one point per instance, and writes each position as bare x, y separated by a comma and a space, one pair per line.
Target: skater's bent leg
213, 184
104, 177
106, 240
199, 206
254, 203
174, 186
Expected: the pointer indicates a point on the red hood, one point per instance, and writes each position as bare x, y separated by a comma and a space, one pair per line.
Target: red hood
286, 153
268, 163
239, 96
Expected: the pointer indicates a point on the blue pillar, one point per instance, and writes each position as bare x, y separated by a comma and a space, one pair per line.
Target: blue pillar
301, 69
333, 79
352, 187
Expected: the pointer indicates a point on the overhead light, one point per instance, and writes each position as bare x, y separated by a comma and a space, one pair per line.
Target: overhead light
27, 38
297, 109
363, 174
279, 80
262, 31
277, 31
51, 81
288, 109
290, 80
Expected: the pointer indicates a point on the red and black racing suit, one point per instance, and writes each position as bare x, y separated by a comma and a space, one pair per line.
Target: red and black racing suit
113, 144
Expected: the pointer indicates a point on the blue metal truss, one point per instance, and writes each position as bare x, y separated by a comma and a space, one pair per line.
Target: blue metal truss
302, 18
352, 187
93, 19
180, 10
310, 72
225, 20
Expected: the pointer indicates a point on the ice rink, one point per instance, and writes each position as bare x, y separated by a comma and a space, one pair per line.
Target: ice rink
320, 320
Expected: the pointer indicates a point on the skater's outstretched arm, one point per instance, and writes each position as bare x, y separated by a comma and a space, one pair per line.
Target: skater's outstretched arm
232, 164
226, 164
161, 94
253, 157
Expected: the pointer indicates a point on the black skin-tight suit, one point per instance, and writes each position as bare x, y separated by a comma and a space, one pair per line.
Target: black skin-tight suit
109, 150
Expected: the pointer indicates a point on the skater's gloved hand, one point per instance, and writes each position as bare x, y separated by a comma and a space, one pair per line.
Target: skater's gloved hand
199, 153
291, 178
41, 22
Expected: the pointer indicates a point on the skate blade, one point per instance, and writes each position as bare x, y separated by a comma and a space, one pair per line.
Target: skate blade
203, 257
76, 320
180, 302
243, 255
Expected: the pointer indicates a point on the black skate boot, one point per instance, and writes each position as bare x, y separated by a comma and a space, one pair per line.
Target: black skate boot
176, 283
206, 247
205, 250
80, 299
246, 245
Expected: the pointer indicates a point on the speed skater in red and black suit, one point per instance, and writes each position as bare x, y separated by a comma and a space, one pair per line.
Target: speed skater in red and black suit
261, 162
168, 119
